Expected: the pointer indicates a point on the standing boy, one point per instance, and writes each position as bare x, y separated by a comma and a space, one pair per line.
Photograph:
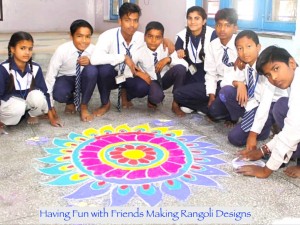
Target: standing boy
219, 62
281, 70
70, 74
159, 69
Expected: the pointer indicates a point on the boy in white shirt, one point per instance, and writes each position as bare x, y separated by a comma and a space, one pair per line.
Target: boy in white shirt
281, 70
254, 102
113, 57
159, 69
219, 62
68, 59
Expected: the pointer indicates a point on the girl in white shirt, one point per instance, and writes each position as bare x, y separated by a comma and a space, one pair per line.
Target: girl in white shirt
191, 44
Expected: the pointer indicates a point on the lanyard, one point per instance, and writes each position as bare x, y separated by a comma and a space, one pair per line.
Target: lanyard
194, 51
23, 94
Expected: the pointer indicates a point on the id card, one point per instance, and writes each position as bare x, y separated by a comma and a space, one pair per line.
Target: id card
120, 78
251, 104
192, 69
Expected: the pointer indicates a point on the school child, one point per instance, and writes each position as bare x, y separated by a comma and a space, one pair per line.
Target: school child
281, 70
22, 85
254, 103
191, 44
113, 57
70, 78
219, 63
159, 69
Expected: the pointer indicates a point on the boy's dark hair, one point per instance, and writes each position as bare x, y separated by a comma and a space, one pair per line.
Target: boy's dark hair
228, 14
249, 34
14, 40
203, 14
272, 54
156, 26
80, 23
128, 8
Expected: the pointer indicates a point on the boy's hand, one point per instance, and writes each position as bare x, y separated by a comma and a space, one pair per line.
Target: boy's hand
212, 98
252, 155
83, 61
242, 95
255, 171
128, 61
239, 64
167, 43
161, 64
143, 75
251, 141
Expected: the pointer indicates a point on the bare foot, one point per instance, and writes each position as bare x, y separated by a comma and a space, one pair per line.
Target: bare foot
292, 171
229, 123
102, 110
70, 109
176, 109
2, 131
33, 120
85, 114
125, 103
151, 106
44, 117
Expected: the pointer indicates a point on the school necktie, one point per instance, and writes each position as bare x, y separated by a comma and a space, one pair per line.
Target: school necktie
225, 58
157, 74
77, 84
248, 117
122, 71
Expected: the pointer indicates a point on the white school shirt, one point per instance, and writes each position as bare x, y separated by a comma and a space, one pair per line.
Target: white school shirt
110, 50
264, 93
63, 63
284, 143
193, 52
215, 69
144, 58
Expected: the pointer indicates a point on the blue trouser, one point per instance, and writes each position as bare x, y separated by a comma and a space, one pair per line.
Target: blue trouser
227, 96
174, 76
135, 87
280, 111
198, 77
238, 137
218, 109
64, 86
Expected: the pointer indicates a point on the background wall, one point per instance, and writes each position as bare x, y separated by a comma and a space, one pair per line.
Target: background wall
164, 11
57, 15
44, 15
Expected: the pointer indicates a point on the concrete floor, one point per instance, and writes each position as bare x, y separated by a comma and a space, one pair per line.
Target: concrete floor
271, 201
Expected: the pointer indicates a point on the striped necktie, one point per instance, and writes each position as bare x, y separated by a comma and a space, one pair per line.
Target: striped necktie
157, 74
77, 84
248, 117
225, 58
122, 71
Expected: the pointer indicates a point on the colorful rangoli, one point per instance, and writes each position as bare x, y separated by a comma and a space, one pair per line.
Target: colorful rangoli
127, 162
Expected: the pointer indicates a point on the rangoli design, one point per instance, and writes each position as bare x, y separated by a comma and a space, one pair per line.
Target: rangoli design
126, 162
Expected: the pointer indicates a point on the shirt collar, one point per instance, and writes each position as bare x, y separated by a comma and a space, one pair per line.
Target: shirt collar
230, 44
16, 68
253, 67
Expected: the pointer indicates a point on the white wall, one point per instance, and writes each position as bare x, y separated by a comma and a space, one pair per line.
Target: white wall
45, 15
164, 11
